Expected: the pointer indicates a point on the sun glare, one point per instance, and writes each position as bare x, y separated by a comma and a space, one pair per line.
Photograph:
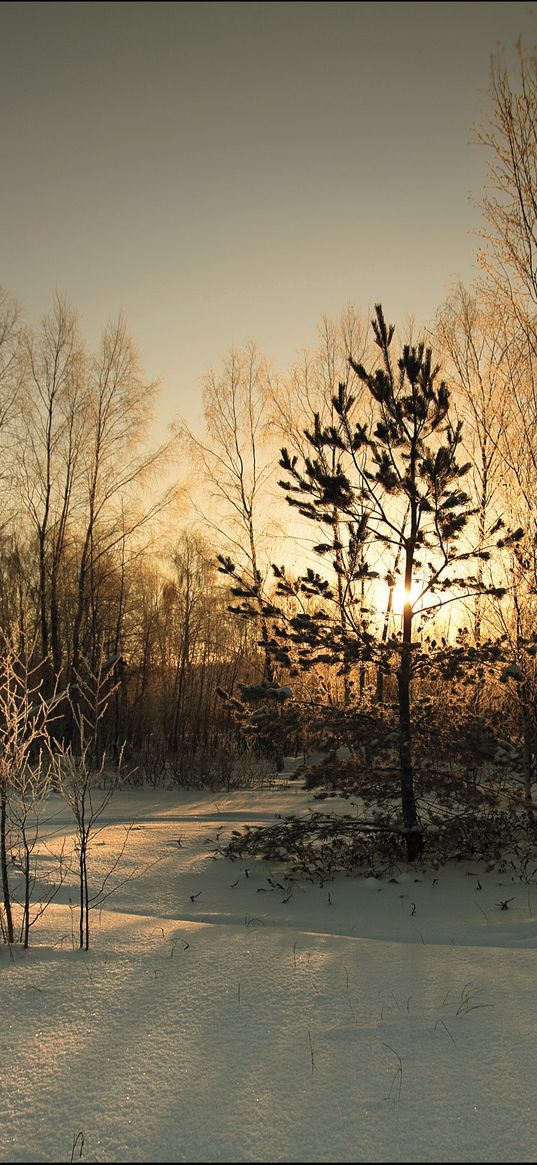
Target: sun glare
400, 597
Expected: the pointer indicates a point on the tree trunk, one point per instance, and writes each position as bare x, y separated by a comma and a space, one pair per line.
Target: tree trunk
3, 862
414, 838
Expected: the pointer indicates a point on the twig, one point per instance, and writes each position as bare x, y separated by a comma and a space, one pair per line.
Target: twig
398, 1075
313, 1064
444, 1025
78, 1143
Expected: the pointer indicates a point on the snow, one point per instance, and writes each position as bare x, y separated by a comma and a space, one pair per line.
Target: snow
218, 1017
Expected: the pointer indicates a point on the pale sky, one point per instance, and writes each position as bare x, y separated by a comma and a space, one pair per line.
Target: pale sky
226, 172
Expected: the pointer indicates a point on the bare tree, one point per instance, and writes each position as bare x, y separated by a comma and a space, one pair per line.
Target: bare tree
510, 201
52, 434
476, 347
10, 383
236, 463
509, 257
313, 381
10, 359
183, 645
116, 464
25, 720
79, 776
509, 261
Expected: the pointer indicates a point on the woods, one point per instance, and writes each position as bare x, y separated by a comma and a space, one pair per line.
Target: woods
379, 598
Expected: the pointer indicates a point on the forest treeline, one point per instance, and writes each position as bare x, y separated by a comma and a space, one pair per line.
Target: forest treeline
346, 555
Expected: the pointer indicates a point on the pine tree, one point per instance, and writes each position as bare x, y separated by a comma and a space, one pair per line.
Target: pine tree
393, 493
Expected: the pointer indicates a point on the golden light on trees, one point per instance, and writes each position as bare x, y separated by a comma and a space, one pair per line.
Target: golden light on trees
414, 594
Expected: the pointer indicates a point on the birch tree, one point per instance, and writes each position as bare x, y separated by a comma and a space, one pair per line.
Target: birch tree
237, 465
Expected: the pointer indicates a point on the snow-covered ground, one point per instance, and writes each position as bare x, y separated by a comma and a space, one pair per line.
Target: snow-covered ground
216, 1018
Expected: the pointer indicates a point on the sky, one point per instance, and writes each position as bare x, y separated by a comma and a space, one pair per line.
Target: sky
228, 172
388, 1016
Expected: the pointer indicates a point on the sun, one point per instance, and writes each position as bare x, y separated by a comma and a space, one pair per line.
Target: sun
400, 596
